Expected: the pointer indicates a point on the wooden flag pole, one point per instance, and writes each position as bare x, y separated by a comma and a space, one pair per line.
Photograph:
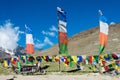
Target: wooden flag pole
59, 46
62, 39
99, 14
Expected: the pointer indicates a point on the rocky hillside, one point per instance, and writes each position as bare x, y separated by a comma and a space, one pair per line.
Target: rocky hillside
87, 42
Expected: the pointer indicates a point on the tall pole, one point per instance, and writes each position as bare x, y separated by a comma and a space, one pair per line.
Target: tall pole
59, 60
58, 42
99, 14
59, 51
61, 28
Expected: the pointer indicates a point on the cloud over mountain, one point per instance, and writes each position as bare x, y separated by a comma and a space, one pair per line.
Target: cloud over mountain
9, 36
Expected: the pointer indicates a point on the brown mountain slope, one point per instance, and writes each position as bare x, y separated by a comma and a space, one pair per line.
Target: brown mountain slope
87, 42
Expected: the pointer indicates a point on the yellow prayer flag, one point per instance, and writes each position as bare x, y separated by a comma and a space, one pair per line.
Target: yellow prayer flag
5, 63
74, 58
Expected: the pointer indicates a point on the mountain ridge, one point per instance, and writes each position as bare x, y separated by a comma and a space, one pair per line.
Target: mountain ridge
87, 42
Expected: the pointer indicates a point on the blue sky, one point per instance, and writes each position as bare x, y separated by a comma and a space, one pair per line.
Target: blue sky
41, 17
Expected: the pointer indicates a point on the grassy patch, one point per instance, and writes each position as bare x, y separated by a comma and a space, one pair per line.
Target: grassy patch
53, 68
5, 71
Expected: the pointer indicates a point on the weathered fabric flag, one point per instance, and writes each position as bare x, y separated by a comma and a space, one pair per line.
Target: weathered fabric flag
63, 39
103, 33
29, 41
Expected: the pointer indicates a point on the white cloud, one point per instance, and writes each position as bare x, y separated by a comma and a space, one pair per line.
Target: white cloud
47, 41
112, 23
18, 31
38, 44
43, 32
53, 28
52, 34
9, 36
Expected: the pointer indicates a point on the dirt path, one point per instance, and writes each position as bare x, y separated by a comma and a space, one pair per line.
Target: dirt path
62, 77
